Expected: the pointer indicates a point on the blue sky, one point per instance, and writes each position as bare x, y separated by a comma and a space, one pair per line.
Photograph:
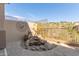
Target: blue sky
39, 11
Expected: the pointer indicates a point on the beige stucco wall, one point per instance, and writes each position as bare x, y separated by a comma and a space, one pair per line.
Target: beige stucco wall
12, 33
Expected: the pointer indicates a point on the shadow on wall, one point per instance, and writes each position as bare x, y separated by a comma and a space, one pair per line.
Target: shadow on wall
15, 30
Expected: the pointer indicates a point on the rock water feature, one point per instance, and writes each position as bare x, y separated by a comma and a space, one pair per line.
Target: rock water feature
34, 43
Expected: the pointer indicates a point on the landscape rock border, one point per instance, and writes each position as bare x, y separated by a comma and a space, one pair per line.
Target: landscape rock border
34, 43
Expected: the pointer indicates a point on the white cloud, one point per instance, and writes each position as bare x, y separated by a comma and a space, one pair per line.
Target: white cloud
29, 17
19, 17
15, 17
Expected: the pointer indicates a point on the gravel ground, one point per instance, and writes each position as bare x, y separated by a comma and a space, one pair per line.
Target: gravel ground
14, 49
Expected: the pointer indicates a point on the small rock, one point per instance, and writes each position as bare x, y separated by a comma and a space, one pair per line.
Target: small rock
42, 47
